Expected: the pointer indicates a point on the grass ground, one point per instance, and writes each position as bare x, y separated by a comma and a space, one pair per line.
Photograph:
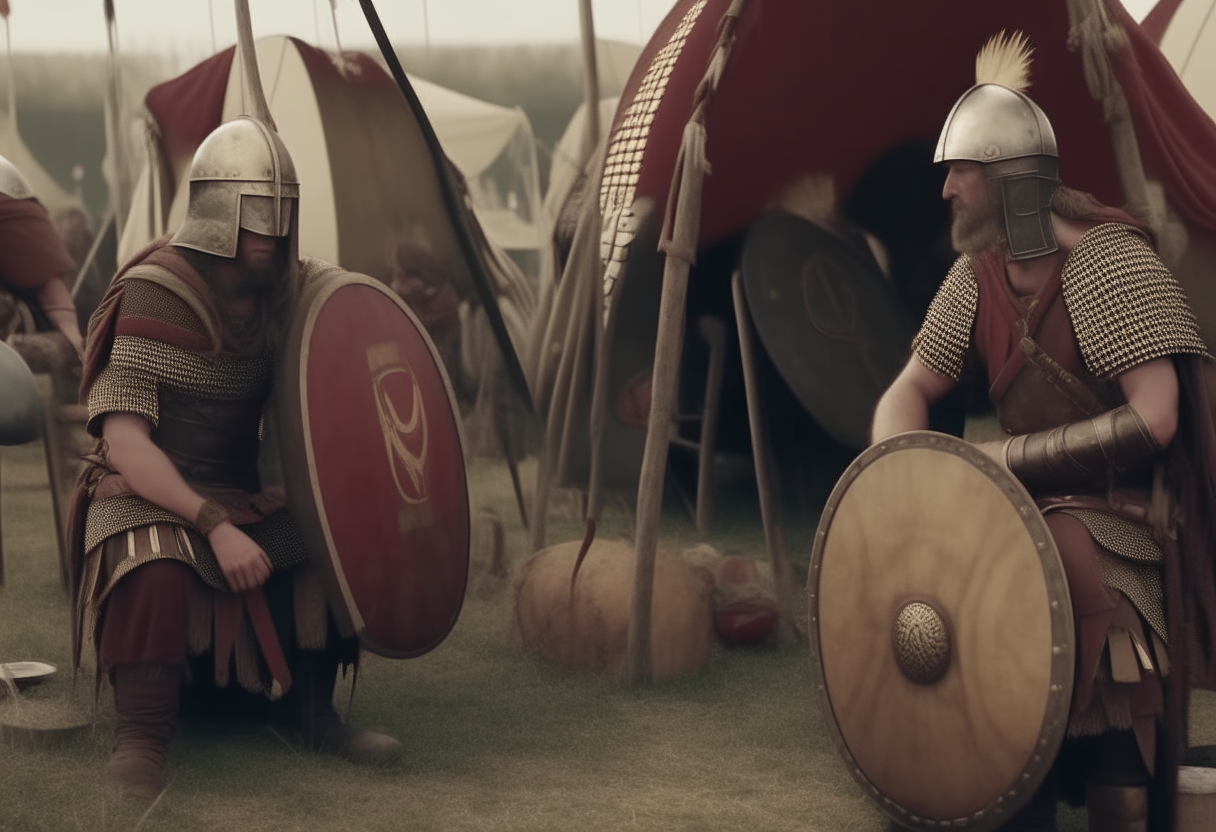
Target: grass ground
495, 739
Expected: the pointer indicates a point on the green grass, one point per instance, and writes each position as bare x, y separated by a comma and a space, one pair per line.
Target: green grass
495, 739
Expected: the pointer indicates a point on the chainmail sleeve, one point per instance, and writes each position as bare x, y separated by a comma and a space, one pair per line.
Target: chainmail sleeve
1126, 307
129, 382
121, 389
945, 335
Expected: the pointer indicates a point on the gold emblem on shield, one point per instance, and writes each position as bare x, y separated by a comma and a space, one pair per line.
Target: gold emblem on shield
405, 437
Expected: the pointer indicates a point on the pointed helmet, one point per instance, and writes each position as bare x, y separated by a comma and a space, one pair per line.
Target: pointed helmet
242, 177
12, 182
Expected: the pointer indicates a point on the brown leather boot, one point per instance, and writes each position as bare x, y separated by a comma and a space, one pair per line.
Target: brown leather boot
309, 708
1117, 808
145, 699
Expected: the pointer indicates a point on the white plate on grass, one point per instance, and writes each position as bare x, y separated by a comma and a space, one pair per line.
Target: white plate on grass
25, 674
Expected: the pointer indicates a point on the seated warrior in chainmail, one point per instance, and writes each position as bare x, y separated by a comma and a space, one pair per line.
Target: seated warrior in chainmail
1094, 365
187, 571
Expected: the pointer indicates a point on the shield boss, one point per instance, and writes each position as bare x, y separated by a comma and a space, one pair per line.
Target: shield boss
941, 633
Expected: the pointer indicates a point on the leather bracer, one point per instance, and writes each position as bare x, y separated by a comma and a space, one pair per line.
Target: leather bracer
1094, 453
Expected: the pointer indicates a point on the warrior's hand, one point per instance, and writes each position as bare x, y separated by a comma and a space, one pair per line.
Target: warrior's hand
244, 564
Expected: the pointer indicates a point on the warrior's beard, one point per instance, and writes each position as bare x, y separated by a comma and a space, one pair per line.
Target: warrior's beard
257, 279
270, 282
976, 227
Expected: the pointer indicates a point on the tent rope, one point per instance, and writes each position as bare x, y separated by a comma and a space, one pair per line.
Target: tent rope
1095, 35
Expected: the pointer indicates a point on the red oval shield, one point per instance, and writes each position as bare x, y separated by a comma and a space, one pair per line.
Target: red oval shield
373, 464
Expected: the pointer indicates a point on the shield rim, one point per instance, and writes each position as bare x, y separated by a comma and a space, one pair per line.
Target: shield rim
1055, 718
313, 520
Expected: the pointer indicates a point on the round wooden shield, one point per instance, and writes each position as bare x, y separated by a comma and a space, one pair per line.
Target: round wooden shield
941, 633
372, 463
828, 317
20, 406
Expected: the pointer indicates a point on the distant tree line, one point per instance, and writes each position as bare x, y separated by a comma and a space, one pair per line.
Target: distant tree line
59, 97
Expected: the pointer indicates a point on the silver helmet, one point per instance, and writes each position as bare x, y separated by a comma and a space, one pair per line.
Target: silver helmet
12, 182
242, 177
1010, 135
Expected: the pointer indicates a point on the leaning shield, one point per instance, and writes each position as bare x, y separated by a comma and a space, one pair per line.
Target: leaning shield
941, 633
372, 463
829, 318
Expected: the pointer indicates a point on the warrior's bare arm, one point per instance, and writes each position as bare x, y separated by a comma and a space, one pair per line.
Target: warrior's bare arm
56, 301
905, 405
1152, 388
1126, 439
153, 476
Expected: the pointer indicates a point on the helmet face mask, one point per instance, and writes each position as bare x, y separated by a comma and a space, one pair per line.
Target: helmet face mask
258, 214
1026, 203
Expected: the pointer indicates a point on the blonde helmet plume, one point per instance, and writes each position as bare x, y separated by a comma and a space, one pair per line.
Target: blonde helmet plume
1005, 60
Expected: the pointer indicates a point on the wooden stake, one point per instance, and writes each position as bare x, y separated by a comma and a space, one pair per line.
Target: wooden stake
681, 230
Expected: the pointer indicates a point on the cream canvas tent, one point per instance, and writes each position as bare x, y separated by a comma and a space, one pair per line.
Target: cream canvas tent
49, 192
494, 148
1189, 43
491, 146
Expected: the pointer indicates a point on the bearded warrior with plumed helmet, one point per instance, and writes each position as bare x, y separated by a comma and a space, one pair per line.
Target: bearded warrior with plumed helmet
1092, 359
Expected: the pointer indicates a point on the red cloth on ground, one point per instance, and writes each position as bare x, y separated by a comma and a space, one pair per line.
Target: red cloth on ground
31, 253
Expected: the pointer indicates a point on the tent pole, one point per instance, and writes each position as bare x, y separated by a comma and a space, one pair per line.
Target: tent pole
594, 267
591, 79
117, 134
12, 86
681, 230
249, 60
563, 402
762, 457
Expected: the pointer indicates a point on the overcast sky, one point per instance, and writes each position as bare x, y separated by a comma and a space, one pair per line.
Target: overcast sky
186, 27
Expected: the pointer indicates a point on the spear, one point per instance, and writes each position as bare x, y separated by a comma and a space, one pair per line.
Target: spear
249, 60
120, 188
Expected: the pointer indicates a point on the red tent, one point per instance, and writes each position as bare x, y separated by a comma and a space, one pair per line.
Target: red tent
827, 87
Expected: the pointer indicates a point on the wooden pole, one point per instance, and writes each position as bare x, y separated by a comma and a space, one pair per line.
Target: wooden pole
1, 526
770, 511
12, 85
1095, 34
591, 79
713, 332
116, 127
681, 230
559, 419
252, 73
594, 269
